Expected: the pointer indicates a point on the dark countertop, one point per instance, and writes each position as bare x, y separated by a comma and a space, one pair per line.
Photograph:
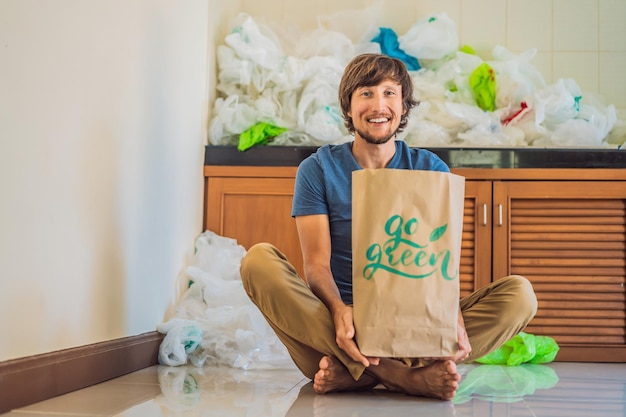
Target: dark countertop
454, 157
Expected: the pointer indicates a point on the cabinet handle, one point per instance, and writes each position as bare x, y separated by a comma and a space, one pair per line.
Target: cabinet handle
484, 214
500, 215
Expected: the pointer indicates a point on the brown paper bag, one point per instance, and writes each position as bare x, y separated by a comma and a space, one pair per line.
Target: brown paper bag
406, 244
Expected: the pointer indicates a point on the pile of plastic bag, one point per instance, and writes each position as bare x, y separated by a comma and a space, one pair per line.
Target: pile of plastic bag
288, 81
215, 323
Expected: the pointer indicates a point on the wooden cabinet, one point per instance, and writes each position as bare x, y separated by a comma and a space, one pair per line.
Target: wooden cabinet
252, 205
563, 229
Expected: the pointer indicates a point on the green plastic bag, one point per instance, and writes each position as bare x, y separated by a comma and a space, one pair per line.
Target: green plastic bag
258, 134
523, 348
483, 84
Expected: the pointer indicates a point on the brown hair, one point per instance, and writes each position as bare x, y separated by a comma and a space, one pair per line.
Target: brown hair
368, 70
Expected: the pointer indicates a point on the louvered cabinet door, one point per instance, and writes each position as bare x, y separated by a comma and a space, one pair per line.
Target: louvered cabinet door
475, 268
569, 239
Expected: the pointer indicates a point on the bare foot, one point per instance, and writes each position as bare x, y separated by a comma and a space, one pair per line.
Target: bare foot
333, 376
437, 380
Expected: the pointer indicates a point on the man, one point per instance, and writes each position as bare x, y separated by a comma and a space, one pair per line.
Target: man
313, 316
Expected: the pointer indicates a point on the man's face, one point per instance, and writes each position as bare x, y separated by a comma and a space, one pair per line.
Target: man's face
376, 111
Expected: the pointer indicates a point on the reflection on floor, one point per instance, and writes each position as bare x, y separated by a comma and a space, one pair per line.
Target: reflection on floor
553, 390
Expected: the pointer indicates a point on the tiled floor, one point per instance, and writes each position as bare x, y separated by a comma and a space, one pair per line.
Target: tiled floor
553, 390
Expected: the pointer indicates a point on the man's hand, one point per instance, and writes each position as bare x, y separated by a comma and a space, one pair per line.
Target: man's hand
344, 331
463, 341
464, 344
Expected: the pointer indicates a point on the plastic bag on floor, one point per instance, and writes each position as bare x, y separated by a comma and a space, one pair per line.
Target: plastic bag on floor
215, 322
523, 348
182, 338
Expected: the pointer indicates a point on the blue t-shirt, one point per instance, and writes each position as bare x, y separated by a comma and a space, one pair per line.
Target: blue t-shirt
324, 186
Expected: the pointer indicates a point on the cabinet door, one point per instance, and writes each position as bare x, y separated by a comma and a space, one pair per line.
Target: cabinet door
569, 239
476, 244
253, 210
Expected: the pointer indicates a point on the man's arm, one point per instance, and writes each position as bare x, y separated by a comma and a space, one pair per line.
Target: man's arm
314, 233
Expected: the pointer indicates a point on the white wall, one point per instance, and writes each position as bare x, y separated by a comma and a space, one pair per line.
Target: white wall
580, 39
103, 114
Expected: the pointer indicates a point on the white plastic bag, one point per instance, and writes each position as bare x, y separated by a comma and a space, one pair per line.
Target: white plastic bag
318, 109
182, 338
558, 102
230, 118
589, 128
482, 128
516, 78
431, 38
255, 43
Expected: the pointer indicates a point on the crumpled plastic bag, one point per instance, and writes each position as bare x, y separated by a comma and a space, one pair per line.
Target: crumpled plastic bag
479, 128
258, 134
617, 135
318, 111
431, 38
233, 331
182, 338
427, 133
517, 79
579, 132
390, 46
557, 103
483, 84
523, 348
449, 81
231, 116
254, 43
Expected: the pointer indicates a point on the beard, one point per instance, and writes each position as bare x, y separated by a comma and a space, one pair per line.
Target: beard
373, 140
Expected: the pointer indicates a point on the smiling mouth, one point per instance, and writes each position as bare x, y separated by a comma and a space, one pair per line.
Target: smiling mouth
378, 120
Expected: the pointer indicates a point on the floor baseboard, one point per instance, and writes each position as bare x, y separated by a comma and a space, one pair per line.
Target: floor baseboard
36, 378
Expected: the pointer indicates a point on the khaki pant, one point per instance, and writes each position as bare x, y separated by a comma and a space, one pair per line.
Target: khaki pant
492, 314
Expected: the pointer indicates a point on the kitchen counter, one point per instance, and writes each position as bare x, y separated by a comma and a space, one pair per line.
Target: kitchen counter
454, 157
